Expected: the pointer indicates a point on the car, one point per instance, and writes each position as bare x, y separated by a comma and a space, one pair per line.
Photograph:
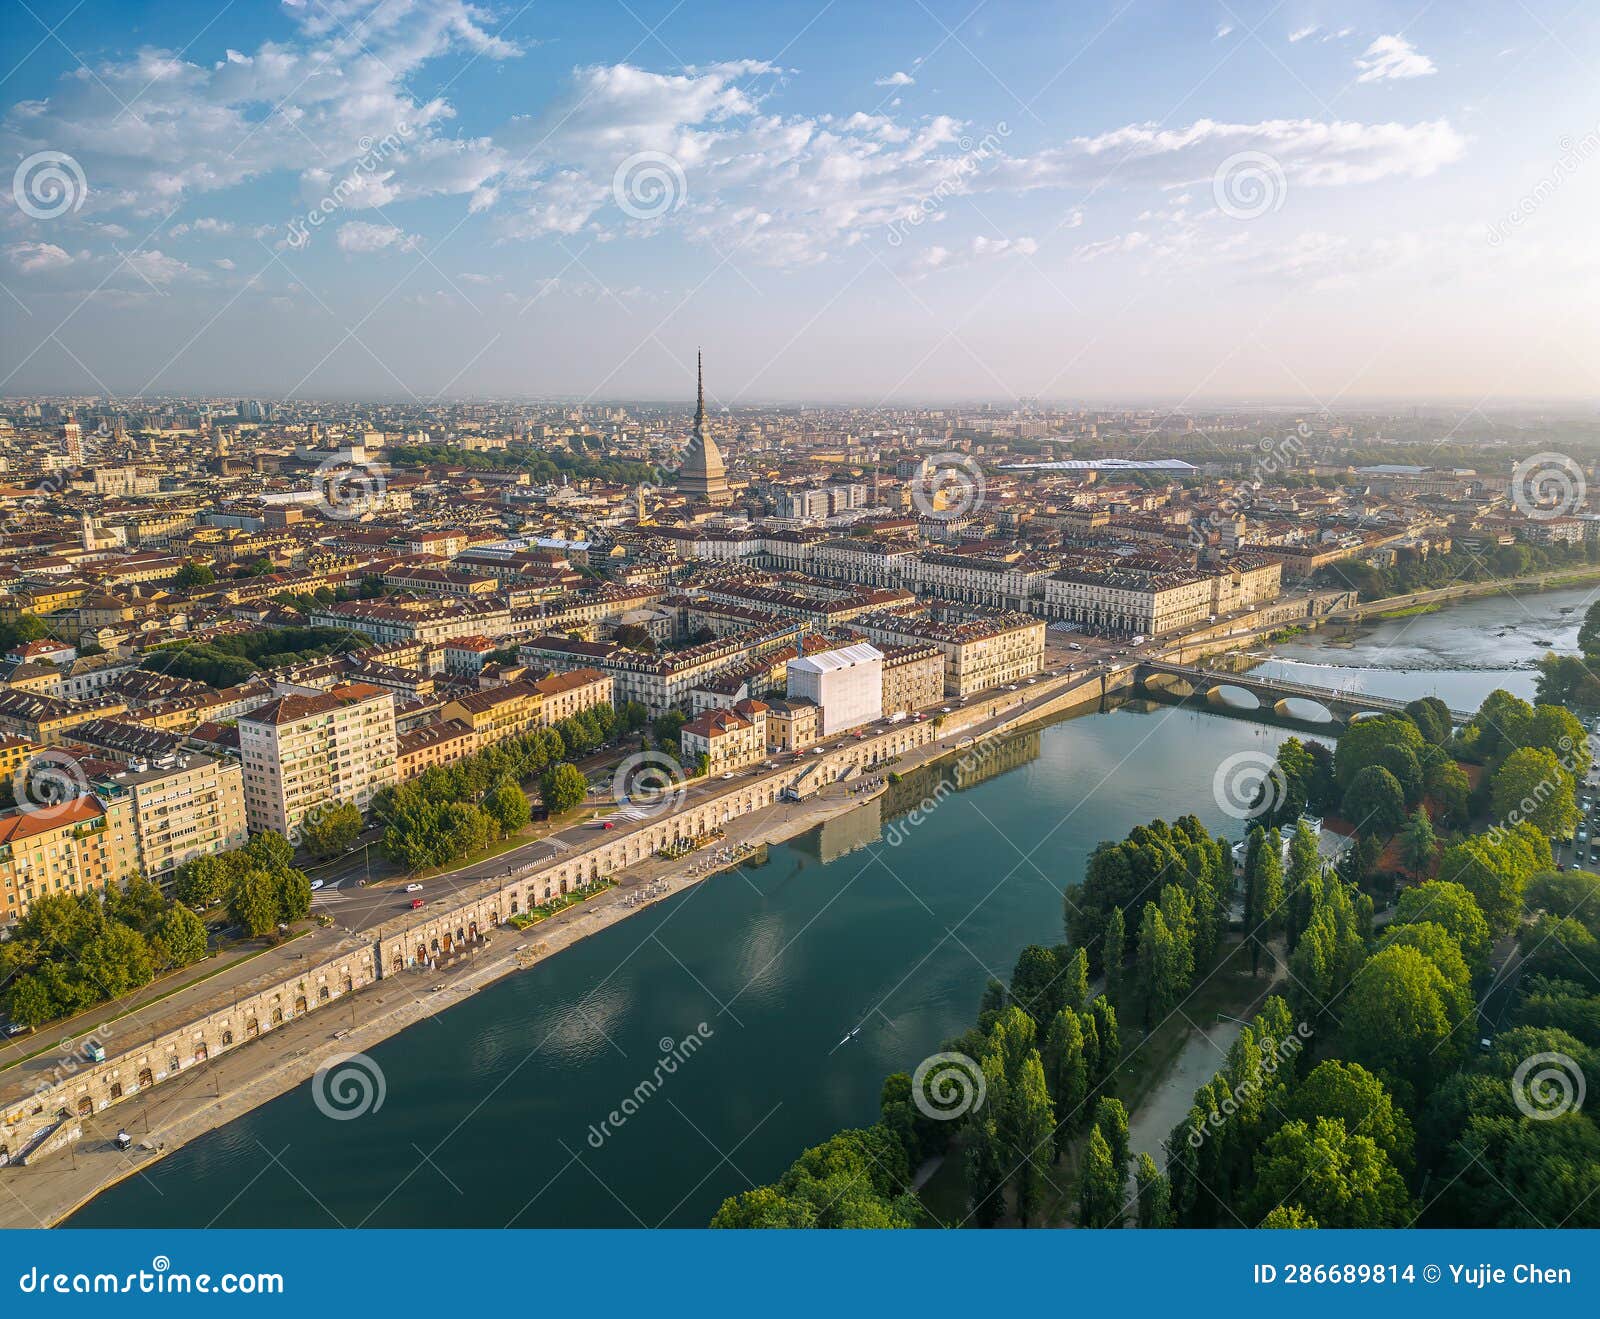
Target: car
418, 902
1074, 646
413, 888
17, 1028
944, 709
316, 884
1485, 1044
728, 775
1583, 835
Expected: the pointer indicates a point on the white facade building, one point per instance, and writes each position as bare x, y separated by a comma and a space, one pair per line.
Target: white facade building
845, 684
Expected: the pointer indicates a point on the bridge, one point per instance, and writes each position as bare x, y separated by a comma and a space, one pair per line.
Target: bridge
1161, 678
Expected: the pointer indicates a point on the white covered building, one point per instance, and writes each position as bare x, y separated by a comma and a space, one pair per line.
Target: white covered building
845, 684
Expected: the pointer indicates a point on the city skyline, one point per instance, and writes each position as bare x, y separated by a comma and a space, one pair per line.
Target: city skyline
431, 202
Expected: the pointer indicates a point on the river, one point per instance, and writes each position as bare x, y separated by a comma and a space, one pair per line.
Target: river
807, 979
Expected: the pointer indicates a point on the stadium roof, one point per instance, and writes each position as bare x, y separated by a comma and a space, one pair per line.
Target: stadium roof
1175, 465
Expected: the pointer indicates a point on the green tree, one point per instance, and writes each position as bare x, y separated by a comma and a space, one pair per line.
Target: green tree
330, 829
1363, 743
1432, 718
1418, 843
1111, 1121
1114, 953
562, 787
1155, 1194
1263, 879
116, 960
1100, 1185
1340, 1179
1375, 802
1347, 1091
508, 806
1066, 1073
1532, 785
203, 882
179, 938
1399, 1022
253, 901
192, 575
1450, 905
1034, 1120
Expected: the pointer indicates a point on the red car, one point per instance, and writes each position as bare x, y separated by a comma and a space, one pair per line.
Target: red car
417, 902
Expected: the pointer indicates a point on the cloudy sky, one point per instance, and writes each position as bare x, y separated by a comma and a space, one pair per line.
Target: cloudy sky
1325, 203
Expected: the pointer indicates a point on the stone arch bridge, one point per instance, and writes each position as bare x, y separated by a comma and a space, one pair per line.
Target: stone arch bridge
1159, 678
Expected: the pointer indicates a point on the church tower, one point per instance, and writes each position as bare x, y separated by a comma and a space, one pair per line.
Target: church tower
703, 476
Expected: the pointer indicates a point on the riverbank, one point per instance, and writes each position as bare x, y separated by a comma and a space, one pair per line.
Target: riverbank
232, 1084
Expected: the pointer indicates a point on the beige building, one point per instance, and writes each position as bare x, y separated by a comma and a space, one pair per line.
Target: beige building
309, 747
496, 713
794, 725
79, 846
913, 678
572, 692
728, 739
979, 653
183, 806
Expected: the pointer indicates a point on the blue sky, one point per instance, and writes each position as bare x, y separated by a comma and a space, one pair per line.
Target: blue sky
1325, 204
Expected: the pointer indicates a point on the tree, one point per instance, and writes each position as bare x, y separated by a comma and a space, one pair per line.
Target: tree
1036, 984
1288, 1216
179, 938
508, 806
1113, 954
1155, 1194
1034, 1124
666, 728
1432, 718
562, 787
330, 829
192, 575
1340, 1179
1375, 802
202, 882
1100, 1185
1532, 785
116, 960
1349, 1092
1489, 873
1450, 905
1066, 1073
1418, 843
1111, 1121
1263, 881
1498, 726
1446, 782
1399, 1022
1157, 965
1363, 743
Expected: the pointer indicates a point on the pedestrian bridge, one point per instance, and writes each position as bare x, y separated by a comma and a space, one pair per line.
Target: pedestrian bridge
1159, 678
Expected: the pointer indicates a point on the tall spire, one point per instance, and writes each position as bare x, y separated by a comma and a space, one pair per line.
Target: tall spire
700, 393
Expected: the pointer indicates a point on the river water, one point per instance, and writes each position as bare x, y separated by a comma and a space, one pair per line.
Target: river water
807, 979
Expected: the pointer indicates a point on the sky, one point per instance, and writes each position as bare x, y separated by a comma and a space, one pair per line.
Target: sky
1314, 203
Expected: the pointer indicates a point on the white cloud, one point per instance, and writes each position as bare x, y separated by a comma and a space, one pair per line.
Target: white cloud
156, 267
1393, 57
978, 249
223, 263
895, 79
1223, 29
360, 236
1300, 34
31, 258
1118, 246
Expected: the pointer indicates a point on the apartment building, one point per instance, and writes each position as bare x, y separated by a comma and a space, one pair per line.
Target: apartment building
307, 747
48, 719
979, 652
496, 713
79, 846
572, 692
441, 742
913, 678
183, 806
728, 739
417, 620
1132, 602
793, 724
